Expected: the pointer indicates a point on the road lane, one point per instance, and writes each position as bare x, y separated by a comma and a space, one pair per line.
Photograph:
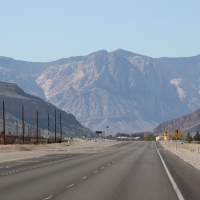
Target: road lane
27, 163
138, 175
133, 171
186, 176
46, 179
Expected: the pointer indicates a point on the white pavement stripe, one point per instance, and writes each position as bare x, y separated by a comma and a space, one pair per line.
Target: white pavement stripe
178, 193
48, 197
85, 177
28, 161
95, 172
70, 185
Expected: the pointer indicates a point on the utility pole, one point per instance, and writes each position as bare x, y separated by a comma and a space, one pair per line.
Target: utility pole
107, 131
60, 127
55, 125
23, 124
4, 127
48, 127
37, 125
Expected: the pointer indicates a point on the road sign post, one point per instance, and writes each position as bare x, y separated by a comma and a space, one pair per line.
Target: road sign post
176, 132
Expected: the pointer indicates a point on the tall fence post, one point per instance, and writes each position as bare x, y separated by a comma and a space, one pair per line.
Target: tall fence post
55, 125
4, 127
48, 127
60, 127
23, 124
37, 125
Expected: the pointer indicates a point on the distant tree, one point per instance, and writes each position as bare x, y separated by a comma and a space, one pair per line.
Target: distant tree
118, 134
150, 137
9, 133
197, 136
141, 135
188, 137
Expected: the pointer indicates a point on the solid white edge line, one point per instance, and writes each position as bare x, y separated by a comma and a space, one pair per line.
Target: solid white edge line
178, 193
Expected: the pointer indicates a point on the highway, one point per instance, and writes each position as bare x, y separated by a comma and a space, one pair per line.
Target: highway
131, 170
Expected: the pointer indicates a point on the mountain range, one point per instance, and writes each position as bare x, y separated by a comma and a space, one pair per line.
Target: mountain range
123, 90
187, 123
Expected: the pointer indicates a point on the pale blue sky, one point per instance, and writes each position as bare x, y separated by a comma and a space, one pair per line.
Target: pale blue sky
46, 30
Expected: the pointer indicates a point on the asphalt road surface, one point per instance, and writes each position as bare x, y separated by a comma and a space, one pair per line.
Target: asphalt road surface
131, 170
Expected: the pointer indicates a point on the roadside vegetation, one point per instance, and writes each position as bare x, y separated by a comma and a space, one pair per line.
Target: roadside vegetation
150, 137
196, 137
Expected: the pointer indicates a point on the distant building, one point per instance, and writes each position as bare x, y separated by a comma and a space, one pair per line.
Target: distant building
167, 136
160, 137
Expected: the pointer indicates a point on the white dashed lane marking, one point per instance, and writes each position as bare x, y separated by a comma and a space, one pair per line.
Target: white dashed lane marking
48, 197
70, 185
84, 176
38, 166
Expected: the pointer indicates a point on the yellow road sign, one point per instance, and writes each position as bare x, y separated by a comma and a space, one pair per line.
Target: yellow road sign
176, 133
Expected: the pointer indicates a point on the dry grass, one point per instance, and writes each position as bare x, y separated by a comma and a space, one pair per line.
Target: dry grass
31, 147
182, 145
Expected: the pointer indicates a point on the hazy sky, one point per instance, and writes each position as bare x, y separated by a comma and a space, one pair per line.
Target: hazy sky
46, 30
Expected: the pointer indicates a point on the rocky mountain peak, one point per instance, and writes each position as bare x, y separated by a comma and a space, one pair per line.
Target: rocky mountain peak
127, 91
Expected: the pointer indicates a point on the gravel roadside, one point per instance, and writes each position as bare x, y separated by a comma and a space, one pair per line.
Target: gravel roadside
17, 152
185, 151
